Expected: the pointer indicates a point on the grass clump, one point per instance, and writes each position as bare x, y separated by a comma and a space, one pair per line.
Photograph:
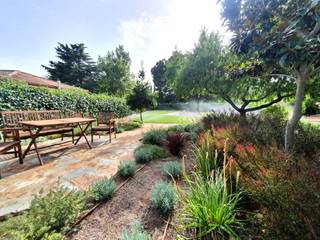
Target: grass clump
172, 169
208, 210
163, 197
103, 189
136, 233
146, 153
127, 169
49, 216
154, 136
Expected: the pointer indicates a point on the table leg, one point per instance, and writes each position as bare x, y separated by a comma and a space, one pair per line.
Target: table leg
33, 141
83, 133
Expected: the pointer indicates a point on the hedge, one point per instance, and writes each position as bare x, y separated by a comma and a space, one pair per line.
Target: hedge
16, 95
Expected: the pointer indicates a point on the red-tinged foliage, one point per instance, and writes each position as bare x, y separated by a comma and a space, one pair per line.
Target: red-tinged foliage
175, 142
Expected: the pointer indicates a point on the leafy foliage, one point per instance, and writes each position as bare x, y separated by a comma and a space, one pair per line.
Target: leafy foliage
158, 72
103, 189
141, 97
136, 233
146, 153
275, 111
127, 169
175, 142
163, 197
127, 126
74, 67
113, 73
279, 186
154, 136
48, 216
172, 169
19, 96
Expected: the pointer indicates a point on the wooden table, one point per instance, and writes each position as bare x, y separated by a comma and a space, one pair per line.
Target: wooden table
35, 127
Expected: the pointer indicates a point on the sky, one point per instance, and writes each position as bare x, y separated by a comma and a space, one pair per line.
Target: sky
148, 29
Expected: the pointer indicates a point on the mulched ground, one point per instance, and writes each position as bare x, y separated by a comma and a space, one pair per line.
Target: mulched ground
130, 203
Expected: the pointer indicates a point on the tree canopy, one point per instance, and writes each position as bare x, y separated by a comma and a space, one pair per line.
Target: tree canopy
284, 35
141, 96
74, 67
113, 73
161, 86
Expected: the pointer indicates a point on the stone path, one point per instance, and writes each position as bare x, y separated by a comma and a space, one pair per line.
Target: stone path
77, 167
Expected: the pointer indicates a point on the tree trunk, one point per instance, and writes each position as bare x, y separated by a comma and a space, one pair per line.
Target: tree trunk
141, 116
302, 77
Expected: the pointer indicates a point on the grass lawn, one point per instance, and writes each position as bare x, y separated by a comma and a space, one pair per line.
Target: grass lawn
163, 116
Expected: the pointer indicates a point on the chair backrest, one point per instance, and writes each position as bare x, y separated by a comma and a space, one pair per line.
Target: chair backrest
13, 118
105, 117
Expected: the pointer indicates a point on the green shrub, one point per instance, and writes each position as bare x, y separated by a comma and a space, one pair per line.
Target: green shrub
154, 136
176, 129
275, 111
16, 95
127, 169
172, 169
208, 211
127, 126
175, 142
103, 189
48, 216
146, 153
136, 233
311, 107
163, 197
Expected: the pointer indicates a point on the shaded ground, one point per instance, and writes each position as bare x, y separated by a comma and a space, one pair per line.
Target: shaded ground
75, 168
130, 203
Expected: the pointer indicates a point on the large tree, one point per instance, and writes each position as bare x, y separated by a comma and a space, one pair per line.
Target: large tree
113, 73
210, 70
74, 67
284, 34
161, 86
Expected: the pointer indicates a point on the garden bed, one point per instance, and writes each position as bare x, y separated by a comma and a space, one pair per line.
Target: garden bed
130, 203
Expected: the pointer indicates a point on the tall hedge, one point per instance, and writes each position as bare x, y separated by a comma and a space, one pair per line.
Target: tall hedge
15, 95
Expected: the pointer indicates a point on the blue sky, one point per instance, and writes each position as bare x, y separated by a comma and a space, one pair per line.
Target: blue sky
149, 30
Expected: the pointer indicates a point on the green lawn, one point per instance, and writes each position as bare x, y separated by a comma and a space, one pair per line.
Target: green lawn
161, 116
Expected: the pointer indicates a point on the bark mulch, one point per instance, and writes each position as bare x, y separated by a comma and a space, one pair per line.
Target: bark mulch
130, 203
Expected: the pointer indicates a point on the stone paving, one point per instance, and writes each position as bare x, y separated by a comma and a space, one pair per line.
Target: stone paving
76, 167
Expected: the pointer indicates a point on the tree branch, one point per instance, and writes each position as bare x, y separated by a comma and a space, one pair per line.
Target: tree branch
278, 99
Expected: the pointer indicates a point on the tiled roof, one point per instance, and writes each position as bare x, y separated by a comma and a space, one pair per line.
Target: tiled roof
33, 80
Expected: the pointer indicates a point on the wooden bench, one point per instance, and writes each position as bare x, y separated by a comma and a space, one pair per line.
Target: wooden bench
11, 121
5, 148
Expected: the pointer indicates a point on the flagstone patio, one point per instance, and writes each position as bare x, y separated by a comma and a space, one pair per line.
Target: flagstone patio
77, 167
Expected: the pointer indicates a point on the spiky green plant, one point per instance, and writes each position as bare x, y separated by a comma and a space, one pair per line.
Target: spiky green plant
208, 209
206, 157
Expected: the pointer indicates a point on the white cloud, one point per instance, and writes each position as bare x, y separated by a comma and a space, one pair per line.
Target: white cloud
151, 38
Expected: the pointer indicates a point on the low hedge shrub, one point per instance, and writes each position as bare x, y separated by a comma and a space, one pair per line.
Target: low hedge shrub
163, 197
146, 153
127, 169
16, 95
49, 216
154, 136
136, 233
103, 189
172, 169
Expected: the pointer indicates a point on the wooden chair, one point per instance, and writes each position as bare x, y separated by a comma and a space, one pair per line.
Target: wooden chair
14, 145
105, 123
